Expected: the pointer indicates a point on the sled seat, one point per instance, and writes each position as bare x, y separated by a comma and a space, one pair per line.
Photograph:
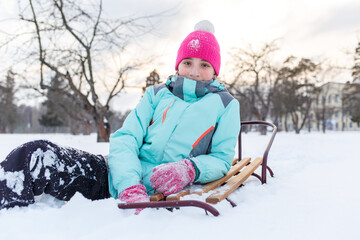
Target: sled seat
240, 171
237, 175
223, 187
234, 182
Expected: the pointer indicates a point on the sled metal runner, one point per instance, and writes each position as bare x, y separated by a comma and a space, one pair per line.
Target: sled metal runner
240, 171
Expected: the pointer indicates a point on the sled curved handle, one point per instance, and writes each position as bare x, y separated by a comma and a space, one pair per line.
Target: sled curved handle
171, 204
266, 152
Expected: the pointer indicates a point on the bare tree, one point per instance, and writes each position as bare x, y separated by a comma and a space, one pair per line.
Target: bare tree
73, 40
254, 79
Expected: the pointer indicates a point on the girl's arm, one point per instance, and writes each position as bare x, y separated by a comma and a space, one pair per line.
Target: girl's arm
217, 163
124, 164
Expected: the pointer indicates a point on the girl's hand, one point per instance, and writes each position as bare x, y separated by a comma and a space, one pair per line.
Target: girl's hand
136, 193
172, 177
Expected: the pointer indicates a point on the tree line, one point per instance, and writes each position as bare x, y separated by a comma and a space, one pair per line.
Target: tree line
56, 114
269, 90
263, 90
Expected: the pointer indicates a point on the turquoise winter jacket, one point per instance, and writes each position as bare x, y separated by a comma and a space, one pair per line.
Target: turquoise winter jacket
180, 119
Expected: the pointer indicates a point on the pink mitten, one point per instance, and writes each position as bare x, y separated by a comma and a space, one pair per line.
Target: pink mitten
136, 193
172, 177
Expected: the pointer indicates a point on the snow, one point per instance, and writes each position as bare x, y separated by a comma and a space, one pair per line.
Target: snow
314, 195
49, 159
14, 180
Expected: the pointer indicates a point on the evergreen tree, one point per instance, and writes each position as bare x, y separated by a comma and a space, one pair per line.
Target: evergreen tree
63, 108
293, 95
351, 97
152, 79
352, 91
356, 67
8, 108
53, 117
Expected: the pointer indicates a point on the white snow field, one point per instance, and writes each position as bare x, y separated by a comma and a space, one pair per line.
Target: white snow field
315, 194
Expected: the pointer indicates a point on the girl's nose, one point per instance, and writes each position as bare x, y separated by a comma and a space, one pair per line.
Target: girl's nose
194, 72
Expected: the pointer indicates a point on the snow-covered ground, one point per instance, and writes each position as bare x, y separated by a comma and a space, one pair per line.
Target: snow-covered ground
315, 194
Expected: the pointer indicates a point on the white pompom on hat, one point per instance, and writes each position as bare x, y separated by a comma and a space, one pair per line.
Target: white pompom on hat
205, 26
201, 44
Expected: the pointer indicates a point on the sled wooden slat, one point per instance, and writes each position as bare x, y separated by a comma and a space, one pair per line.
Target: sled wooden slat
234, 182
177, 196
212, 185
215, 184
156, 197
173, 197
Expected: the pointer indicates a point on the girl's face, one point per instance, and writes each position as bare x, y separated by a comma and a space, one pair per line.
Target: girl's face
196, 69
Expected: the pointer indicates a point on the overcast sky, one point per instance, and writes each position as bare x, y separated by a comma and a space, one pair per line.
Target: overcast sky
317, 29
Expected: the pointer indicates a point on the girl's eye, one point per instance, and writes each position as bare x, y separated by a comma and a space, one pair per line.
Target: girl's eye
187, 63
205, 65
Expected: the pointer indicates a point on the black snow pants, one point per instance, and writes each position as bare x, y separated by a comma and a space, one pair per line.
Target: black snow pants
43, 167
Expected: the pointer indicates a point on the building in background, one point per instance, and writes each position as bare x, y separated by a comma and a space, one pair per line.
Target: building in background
328, 109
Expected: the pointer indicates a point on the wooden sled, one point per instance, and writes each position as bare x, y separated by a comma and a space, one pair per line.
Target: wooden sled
240, 171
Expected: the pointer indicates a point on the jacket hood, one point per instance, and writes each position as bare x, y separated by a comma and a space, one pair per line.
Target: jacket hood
190, 90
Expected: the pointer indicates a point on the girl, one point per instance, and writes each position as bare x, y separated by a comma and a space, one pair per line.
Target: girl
181, 132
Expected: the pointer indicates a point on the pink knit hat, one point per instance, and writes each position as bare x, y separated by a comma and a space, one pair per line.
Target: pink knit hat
201, 44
